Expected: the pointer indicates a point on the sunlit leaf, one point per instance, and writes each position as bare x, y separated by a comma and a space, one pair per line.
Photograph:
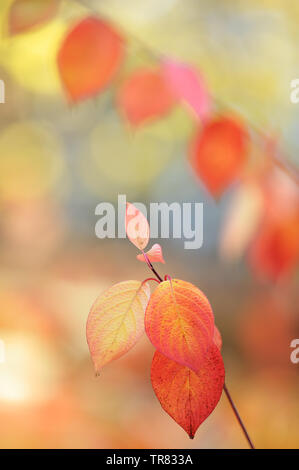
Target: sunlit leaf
116, 321
89, 57
155, 254
219, 152
27, 14
137, 227
188, 397
217, 338
144, 96
179, 322
189, 86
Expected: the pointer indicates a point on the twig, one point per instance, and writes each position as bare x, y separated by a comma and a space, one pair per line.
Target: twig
238, 416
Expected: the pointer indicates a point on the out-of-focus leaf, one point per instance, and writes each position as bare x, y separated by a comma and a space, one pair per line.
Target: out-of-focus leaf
188, 397
26, 14
137, 227
89, 58
189, 86
219, 152
241, 220
144, 96
116, 321
180, 323
274, 253
155, 254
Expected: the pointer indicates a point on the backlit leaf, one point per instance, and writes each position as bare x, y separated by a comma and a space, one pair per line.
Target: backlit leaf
144, 96
116, 321
26, 14
89, 58
217, 338
137, 227
189, 86
155, 254
179, 322
274, 252
219, 152
188, 397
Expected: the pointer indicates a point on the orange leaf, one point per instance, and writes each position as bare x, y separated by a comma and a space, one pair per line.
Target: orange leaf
179, 322
217, 338
188, 397
116, 321
274, 253
145, 95
219, 152
89, 58
155, 254
26, 14
137, 227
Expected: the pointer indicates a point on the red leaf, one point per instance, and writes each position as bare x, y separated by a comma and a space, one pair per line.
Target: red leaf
188, 397
217, 338
26, 14
144, 96
89, 58
137, 227
155, 254
274, 253
219, 152
188, 85
179, 322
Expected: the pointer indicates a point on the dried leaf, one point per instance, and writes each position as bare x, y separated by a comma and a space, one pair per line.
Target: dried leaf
179, 322
188, 397
116, 321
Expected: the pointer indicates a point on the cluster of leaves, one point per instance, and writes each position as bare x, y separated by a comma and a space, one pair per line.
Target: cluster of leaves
89, 59
187, 371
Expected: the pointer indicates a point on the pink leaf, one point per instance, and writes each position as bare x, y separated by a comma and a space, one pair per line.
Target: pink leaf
188, 85
137, 227
155, 254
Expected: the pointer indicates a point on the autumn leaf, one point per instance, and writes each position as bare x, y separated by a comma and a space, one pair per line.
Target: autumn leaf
274, 253
217, 338
219, 152
145, 96
89, 58
189, 86
27, 14
116, 321
188, 397
242, 220
179, 322
155, 254
137, 227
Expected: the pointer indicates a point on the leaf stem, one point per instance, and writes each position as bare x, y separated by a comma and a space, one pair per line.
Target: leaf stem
151, 267
238, 416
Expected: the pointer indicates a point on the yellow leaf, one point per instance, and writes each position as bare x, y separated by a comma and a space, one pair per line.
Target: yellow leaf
116, 321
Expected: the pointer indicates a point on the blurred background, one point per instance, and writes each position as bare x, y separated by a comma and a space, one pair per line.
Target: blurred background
58, 161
